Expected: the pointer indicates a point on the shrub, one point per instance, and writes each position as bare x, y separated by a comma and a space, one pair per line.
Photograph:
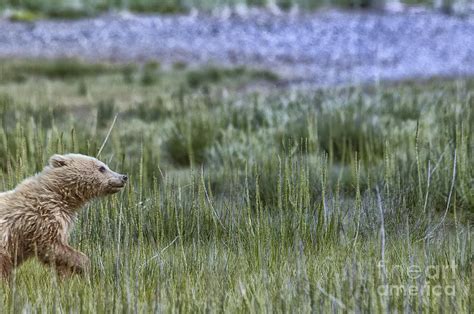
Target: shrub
189, 139
105, 112
150, 73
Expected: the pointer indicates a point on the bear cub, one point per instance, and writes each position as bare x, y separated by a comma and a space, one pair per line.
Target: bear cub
38, 215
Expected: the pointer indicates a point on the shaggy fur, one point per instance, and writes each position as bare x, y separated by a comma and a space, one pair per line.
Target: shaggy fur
37, 216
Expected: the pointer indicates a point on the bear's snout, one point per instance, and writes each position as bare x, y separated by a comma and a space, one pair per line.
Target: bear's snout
120, 179
117, 181
123, 178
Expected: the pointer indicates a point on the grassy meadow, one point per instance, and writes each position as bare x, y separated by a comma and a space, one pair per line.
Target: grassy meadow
246, 195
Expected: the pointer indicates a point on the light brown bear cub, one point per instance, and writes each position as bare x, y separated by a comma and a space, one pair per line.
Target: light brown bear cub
37, 216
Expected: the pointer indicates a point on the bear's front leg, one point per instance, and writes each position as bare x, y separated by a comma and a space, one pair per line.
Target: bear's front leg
66, 260
6, 266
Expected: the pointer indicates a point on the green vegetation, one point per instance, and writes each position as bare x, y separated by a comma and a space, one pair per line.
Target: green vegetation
328, 200
29, 10
212, 75
20, 71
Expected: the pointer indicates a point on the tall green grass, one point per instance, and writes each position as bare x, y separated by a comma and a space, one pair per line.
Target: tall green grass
329, 200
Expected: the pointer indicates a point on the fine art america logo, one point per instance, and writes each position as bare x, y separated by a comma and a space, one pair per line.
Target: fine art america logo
420, 279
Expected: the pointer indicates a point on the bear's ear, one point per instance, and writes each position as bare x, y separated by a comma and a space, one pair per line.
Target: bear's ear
57, 161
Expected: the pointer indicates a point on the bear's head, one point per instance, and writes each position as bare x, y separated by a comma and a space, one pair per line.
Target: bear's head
84, 176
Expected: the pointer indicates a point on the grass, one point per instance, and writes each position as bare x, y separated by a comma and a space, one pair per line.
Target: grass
335, 200
19, 71
212, 75
30, 10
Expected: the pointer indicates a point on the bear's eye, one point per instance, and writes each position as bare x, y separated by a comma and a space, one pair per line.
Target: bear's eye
102, 169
